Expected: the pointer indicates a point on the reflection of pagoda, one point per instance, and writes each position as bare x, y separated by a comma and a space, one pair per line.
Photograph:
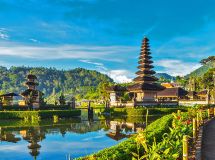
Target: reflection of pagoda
9, 137
33, 136
32, 96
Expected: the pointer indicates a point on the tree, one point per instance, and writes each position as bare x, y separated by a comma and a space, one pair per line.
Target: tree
163, 79
102, 90
210, 59
208, 81
181, 81
62, 99
41, 98
30, 100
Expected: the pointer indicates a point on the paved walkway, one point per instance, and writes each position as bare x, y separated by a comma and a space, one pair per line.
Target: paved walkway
208, 141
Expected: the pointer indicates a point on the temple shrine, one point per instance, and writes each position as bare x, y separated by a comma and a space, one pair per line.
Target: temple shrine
143, 91
32, 96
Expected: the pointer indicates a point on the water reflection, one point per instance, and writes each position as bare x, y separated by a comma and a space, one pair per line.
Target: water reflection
75, 137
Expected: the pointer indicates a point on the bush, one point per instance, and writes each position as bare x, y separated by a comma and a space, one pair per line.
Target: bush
42, 114
141, 111
25, 108
123, 150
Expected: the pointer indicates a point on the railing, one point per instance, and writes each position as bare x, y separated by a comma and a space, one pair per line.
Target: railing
198, 121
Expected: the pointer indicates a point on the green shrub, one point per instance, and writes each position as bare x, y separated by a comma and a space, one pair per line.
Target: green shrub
42, 114
123, 150
141, 111
25, 108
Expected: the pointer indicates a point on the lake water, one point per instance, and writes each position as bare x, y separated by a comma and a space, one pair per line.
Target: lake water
66, 138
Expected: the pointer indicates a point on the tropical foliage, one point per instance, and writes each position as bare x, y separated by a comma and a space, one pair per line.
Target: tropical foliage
42, 114
78, 82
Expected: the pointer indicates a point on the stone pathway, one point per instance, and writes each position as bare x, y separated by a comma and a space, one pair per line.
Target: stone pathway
208, 141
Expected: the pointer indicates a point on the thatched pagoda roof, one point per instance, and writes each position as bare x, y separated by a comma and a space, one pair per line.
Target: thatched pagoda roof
145, 57
144, 66
32, 83
145, 78
29, 91
9, 94
116, 88
172, 92
146, 87
31, 76
145, 61
145, 72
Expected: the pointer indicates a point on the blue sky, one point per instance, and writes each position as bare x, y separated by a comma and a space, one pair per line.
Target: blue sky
106, 34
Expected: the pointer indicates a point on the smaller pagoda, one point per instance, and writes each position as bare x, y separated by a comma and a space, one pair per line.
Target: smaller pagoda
31, 95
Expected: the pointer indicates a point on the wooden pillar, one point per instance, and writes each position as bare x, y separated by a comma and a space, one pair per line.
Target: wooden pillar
179, 112
73, 103
90, 111
200, 118
185, 147
89, 105
208, 112
197, 121
194, 129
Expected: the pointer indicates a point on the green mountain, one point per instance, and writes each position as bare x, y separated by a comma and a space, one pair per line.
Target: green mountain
165, 76
52, 82
201, 71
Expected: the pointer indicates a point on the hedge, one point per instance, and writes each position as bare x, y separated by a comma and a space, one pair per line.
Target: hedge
25, 108
42, 114
123, 150
141, 111
44, 122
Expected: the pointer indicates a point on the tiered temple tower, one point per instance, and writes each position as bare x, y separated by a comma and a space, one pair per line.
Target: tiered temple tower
31, 83
145, 86
32, 96
145, 73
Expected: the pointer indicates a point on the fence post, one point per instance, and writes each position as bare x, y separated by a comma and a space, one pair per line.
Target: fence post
208, 113
179, 112
214, 112
194, 129
185, 147
200, 117
197, 121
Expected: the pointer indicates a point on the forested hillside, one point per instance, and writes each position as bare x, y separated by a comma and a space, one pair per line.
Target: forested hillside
78, 82
207, 64
164, 76
200, 71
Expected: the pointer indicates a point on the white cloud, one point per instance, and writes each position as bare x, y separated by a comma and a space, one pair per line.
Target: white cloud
120, 76
34, 40
90, 62
99, 66
49, 52
176, 67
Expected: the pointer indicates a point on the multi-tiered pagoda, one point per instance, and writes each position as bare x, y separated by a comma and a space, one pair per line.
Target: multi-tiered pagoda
145, 87
32, 96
